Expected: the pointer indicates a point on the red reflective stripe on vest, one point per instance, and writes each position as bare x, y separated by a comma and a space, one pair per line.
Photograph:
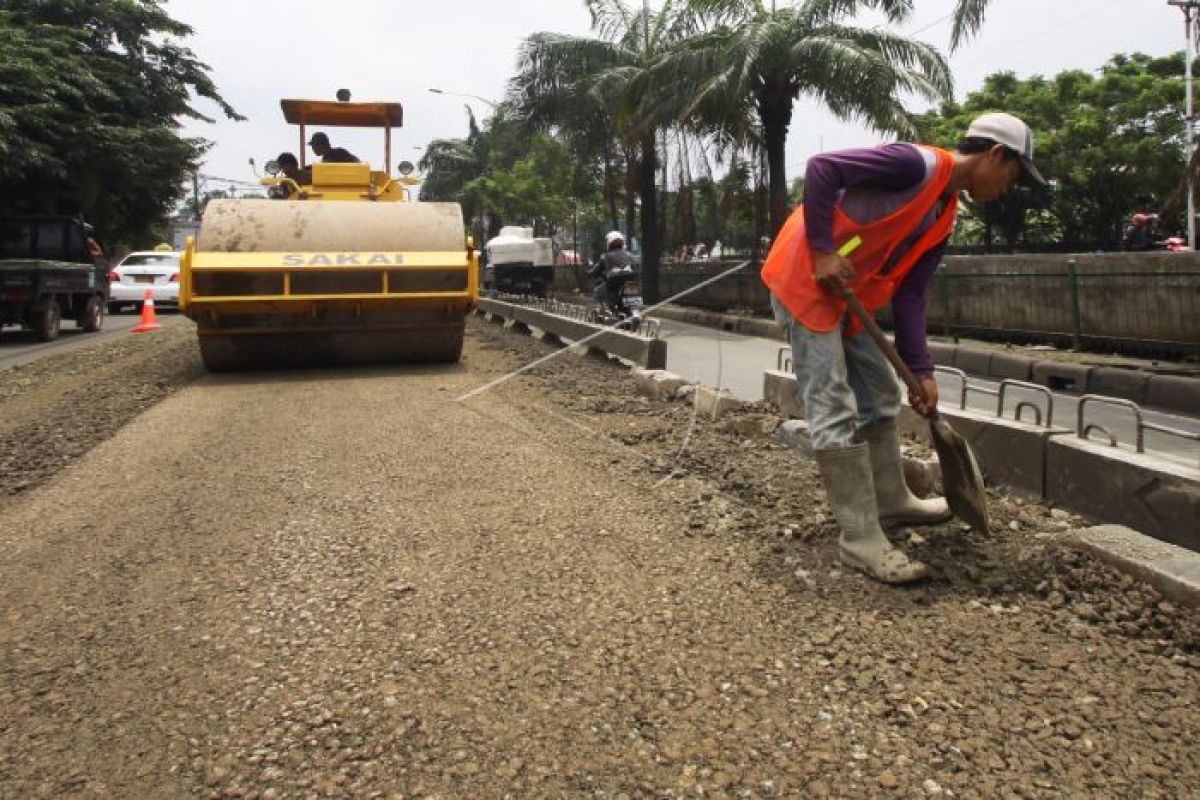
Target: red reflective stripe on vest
788, 270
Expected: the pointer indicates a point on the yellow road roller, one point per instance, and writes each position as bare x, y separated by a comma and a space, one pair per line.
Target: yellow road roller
339, 267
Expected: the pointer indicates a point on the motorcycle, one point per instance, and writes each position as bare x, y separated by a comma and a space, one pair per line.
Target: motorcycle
622, 303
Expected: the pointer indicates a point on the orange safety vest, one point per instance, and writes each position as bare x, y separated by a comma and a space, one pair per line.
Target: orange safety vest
788, 270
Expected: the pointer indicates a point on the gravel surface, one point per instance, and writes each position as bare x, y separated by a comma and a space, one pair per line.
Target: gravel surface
57, 408
346, 584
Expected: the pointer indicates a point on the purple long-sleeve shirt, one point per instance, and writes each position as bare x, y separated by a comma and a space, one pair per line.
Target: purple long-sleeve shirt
869, 184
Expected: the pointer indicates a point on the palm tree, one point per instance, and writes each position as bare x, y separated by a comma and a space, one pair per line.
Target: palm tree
764, 57
608, 75
546, 95
451, 164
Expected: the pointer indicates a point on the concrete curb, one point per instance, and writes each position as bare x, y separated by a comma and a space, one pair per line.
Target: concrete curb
716, 403
1161, 498
648, 353
659, 384
747, 326
1172, 570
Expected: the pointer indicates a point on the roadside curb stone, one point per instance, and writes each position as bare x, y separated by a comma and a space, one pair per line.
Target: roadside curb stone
1062, 376
779, 389
1174, 571
1174, 392
658, 383
1130, 384
716, 403
794, 433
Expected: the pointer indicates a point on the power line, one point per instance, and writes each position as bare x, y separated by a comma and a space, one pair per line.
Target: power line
1043, 32
228, 180
933, 24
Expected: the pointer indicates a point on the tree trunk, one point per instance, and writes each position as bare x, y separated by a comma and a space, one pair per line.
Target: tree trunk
649, 194
775, 111
631, 188
760, 205
609, 195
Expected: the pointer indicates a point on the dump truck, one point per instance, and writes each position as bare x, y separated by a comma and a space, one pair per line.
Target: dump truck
343, 267
50, 268
519, 263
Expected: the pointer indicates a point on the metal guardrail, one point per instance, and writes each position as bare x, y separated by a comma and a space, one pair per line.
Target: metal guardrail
1084, 431
646, 329
1010, 383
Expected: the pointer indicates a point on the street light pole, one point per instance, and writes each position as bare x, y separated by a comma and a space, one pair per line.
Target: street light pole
1188, 7
491, 103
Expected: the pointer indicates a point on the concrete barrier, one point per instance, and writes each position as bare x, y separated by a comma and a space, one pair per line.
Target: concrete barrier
1060, 376
1174, 393
943, 354
1114, 382
973, 362
1005, 365
642, 351
1154, 496
1011, 454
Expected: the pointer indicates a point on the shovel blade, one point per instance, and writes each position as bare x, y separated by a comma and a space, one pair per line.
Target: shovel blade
961, 478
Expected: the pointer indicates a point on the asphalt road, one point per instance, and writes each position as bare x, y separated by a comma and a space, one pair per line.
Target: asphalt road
21, 347
738, 362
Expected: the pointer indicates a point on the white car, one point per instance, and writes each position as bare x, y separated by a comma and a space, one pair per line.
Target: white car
142, 270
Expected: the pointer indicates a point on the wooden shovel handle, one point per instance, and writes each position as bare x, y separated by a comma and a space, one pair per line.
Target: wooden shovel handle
872, 327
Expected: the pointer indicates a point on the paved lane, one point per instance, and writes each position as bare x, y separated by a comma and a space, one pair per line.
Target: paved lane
21, 347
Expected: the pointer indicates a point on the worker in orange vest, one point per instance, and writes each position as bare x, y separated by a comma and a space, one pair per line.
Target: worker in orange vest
900, 200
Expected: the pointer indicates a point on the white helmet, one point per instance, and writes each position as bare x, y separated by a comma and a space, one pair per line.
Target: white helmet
613, 236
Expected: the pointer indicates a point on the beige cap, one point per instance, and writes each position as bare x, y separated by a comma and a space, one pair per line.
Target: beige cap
1014, 134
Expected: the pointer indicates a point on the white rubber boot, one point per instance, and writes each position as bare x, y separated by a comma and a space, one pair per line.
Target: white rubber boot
897, 504
846, 472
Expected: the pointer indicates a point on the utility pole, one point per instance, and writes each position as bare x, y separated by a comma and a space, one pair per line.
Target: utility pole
1189, 8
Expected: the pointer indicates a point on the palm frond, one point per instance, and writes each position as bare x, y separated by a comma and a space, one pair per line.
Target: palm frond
968, 16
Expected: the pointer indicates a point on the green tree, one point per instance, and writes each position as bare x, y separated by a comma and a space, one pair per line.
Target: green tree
1109, 143
533, 189
762, 57
91, 94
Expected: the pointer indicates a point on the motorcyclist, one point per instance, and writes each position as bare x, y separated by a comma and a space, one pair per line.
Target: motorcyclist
1141, 233
612, 270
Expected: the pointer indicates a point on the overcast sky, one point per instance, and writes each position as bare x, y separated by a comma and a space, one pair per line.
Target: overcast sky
262, 50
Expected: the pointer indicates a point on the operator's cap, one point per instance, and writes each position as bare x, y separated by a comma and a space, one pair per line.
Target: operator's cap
613, 236
1014, 134
318, 138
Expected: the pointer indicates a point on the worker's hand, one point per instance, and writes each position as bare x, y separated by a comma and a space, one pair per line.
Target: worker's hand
927, 407
832, 272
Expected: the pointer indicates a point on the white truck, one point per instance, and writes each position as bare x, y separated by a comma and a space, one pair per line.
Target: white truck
518, 263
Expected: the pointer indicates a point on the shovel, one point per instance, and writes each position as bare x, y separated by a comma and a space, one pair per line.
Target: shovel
961, 478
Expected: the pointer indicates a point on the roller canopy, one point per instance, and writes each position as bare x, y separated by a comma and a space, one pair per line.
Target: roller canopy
344, 115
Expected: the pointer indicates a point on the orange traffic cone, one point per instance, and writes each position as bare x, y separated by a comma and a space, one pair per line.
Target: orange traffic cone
149, 321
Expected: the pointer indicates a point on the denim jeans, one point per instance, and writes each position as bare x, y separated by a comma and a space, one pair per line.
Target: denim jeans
845, 384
